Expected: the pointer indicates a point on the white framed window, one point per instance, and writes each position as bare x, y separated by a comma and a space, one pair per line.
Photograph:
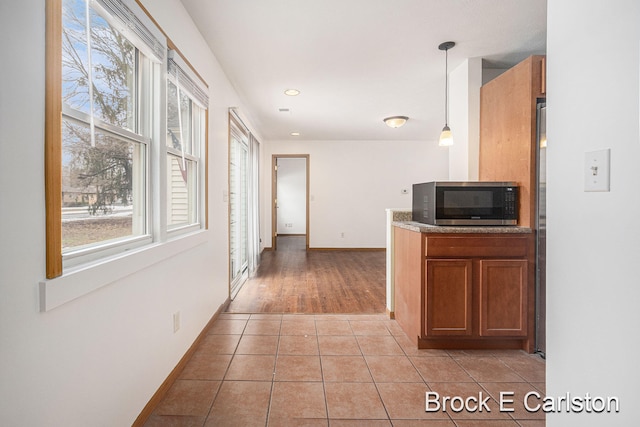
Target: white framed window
125, 136
108, 96
186, 139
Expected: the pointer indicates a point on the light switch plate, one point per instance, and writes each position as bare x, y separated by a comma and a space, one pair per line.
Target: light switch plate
596, 170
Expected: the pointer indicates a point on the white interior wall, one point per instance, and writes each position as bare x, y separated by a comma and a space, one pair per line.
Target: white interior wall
352, 183
292, 196
464, 112
489, 74
99, 358
593, 250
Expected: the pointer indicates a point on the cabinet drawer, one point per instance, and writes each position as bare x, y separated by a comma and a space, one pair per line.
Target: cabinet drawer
477, 246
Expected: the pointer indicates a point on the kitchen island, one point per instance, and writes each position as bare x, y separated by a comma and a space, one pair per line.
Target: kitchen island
465, 287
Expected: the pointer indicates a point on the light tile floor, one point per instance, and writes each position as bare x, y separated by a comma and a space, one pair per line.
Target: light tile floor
340, 371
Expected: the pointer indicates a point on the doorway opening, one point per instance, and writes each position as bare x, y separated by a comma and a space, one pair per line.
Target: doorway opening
290, 201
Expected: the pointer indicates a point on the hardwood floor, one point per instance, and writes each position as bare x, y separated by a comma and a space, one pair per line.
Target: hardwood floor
292, 280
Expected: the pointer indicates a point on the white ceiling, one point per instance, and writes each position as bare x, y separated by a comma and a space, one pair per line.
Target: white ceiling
358, 61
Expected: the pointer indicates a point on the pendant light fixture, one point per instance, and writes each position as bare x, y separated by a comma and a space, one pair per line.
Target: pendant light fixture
446, 139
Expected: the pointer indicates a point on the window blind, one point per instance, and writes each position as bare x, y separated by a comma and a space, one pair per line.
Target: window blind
186, 80
132, 25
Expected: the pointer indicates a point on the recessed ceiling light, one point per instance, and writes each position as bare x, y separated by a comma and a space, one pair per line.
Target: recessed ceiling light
292, 92
295, 133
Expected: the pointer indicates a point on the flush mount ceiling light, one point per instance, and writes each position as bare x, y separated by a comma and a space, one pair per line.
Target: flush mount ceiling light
295, 133
395, 121
292, 92
446, 139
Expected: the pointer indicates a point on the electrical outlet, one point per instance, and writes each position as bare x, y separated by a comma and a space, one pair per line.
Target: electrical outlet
176, 322
342, 235
596, 170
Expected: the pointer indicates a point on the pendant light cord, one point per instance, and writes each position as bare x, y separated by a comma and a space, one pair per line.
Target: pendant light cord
446, 87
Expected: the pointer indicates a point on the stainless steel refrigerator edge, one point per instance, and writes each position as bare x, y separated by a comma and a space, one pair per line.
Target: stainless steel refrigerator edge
541, 229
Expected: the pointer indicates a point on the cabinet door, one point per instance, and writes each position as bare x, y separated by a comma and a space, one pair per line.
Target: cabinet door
448, 297
503, 297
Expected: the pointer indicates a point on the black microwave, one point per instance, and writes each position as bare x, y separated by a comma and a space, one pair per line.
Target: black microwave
465, 203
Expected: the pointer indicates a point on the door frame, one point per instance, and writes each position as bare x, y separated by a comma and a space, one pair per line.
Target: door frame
274, 196
239, 131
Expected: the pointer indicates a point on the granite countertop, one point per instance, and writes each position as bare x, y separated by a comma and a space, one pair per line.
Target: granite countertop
460, 229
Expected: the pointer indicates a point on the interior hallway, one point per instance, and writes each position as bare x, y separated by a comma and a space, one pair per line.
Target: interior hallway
294, 280
270, 368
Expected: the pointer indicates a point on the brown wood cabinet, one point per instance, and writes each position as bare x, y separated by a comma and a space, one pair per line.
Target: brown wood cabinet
503, 298
448, 301
465, 291
508, 130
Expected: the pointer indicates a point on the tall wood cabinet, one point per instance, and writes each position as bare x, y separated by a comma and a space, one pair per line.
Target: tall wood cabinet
508, 130
465, 290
